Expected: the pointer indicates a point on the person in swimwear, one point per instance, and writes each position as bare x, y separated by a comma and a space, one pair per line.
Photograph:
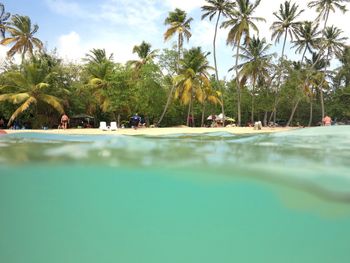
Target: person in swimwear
64, 121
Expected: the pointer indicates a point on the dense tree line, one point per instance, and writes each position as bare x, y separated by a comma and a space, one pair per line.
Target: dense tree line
168, 86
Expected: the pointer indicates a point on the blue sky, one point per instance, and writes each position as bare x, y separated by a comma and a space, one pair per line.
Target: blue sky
76, 26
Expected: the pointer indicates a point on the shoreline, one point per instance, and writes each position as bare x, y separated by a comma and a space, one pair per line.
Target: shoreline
156, 131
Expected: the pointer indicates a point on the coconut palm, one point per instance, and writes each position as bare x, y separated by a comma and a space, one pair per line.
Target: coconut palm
241, 22
217, 7
145, 54
193, 78
256, 64
28, 88
178, 24
98, 56
4, 16
324, 7
22, 36
307, 38
286, 23
333, 44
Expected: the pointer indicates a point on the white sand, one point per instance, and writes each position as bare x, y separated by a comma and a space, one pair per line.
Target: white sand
158, 131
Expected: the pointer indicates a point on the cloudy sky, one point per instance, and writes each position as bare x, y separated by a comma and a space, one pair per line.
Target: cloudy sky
76, 26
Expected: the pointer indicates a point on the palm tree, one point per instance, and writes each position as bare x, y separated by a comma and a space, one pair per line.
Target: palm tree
285, 24
3, 18
307, 38
324, 7
22, 36
217, 7
97, 56
256, 64
241, 22
333, 44
100, 68
145, 54
193, 78
27, 88
180, 24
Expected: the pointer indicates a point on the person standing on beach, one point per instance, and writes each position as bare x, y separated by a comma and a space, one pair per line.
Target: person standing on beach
327, 121
64, 121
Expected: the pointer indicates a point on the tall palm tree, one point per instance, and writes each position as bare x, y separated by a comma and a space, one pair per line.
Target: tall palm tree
333, 44
22, 36
217, 7
178, 24
307, 38
285, 24
4, 16
145, 54
28, 88
241, 22
256, 64
324, 7
193, 78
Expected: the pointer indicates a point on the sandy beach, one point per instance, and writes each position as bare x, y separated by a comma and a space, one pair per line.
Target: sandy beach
157, 131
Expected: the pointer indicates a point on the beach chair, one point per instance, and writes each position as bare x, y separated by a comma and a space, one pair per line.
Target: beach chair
103, 126
113, 126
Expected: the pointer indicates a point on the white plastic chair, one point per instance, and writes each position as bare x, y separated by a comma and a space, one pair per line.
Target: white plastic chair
113, 126
103, 126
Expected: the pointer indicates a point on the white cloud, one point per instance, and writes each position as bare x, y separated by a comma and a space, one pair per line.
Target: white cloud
69, 47
187, 5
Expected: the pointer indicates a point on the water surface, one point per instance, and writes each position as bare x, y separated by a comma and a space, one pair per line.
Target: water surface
216, 197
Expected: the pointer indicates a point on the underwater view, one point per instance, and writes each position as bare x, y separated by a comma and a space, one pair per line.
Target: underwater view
215, 197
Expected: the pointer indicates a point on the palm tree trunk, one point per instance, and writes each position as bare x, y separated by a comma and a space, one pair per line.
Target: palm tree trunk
216, 67
311, 109
253, 100
293, 112
214, 47
166, 105
203, 115
238, 86
274, 112
265, 119
188, 114
302, 58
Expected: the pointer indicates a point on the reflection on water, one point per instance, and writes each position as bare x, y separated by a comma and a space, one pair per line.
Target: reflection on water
281, 197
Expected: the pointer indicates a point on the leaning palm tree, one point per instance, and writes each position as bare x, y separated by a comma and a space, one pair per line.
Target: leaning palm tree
217, 7
307, 38
4, 16
193, 78
22, 36
256, 64
178, 24
28, 88
241, 22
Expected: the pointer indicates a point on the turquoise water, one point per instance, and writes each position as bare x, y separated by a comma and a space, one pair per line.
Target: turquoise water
184, 198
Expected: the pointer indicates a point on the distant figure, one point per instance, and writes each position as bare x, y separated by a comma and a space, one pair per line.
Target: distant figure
327, 121
190, 121
64, 121
135, 121
2, 123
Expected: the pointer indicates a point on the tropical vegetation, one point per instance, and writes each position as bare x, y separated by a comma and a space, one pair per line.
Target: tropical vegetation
178, 86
